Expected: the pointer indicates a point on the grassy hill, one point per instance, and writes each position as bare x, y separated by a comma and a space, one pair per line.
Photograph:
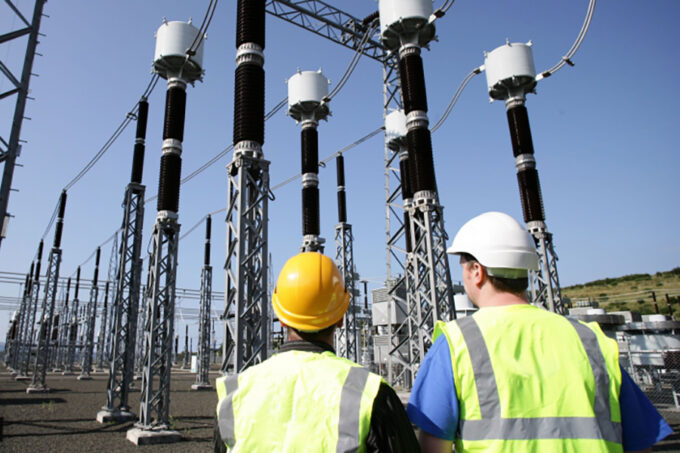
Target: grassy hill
630, 292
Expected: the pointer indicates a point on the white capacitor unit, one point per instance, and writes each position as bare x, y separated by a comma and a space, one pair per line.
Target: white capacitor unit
395, 126
173, 39
510, 67
306, 91
408, 19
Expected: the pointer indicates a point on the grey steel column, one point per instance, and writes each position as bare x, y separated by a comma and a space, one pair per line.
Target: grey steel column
346, 336
91, 319
101, 347
44, 336
73, 329
23, 320
30, 325
62, 336
202, 380
21, 88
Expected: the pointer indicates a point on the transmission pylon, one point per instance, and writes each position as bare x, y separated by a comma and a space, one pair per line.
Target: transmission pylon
510, 76
101, 342
62, 335
90, 319
246, 313
45, 335
29, 327
346, 336
24, 310
202, 380
9, 154
178, 59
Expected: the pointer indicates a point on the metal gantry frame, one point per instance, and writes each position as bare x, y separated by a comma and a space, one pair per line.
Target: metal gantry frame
91, 319
9, 151
202, 380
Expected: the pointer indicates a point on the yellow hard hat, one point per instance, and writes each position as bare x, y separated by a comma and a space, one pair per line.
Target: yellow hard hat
310, 294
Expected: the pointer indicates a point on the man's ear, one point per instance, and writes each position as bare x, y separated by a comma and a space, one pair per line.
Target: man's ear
478, 274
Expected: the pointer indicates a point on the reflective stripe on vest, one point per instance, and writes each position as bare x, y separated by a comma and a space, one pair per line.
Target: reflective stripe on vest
492, 426
350, 414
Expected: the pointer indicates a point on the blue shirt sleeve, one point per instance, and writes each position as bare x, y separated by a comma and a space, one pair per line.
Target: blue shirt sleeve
433, 405
641, 423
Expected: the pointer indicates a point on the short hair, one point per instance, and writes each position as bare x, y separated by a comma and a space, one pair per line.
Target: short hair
508, 285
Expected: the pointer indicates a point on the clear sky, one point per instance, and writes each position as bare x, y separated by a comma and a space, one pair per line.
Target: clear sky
606, 132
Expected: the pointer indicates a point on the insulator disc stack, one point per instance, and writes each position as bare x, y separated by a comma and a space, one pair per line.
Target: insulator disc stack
37, 266
77, 283
169, 182
140, 141
96, 267
530, 193
421, 163
520, 131
412, 78
249, 85
407, 196
310, 211
342, 198
206, 258
60, 220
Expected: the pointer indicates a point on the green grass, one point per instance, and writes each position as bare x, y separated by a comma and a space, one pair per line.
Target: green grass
630, 292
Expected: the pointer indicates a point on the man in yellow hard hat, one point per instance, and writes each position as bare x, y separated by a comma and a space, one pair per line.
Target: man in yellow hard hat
517, 378
305, 398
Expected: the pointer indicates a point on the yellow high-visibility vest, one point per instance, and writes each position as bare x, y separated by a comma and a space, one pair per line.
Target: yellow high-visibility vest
528, 380
297, 401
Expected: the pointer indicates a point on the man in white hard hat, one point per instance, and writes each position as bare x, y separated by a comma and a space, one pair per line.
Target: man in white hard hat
515, 377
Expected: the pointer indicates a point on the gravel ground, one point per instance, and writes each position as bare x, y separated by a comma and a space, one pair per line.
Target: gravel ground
64, 420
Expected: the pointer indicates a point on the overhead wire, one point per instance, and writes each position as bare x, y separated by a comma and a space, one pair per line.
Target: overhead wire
129, 117
566, 59
455, 97
353, 63
200, 36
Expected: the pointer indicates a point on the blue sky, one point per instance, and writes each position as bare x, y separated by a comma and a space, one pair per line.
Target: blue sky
605, 132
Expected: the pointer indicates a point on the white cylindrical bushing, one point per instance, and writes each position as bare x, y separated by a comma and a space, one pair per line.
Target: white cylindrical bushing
395, 126
400, 17
511, 64
173, 39
306, 87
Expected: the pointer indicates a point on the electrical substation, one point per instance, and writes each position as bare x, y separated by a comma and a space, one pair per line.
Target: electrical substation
127, 325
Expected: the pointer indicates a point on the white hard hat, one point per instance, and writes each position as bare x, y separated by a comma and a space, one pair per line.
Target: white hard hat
499, 243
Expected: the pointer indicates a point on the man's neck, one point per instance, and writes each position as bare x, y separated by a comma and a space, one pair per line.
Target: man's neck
493, 298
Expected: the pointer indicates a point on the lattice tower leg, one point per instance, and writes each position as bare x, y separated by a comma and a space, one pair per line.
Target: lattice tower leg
399, 356
23, 321
159, 330
88, 347
346, 337
30, 330
125, 304
433, 291
246, 263
202, 380
42, 355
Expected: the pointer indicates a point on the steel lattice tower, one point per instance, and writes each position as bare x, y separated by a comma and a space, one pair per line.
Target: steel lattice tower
178, 59
29, 327
346, 337
21, 87
91, 319
125, 305
62, 337
510, 76
246, 313
431, 287
202, 381
44, 336
24, 310
72, 329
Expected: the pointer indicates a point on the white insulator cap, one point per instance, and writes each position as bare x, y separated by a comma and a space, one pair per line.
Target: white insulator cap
173, 40
510, 67
395, 126
403, 18
306, 93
